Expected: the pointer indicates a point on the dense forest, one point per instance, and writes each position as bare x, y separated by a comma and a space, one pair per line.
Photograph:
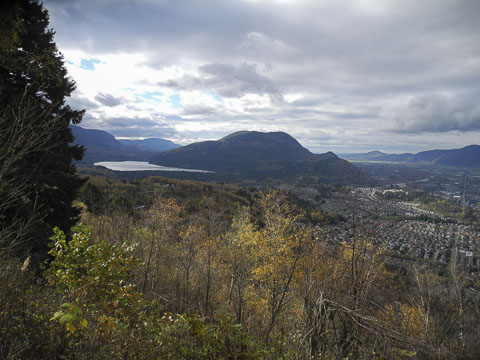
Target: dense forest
162, 268
157, 268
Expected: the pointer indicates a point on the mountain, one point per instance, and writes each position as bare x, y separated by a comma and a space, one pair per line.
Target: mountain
102, 146
379, 156
151, 144
95, 140
99, 145
370, 156
257, 155
468, 156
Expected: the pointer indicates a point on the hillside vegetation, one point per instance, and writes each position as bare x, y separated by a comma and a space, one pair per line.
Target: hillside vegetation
158, 268
164, 268
260, 156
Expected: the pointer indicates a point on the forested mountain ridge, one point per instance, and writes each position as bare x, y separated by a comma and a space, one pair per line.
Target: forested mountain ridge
150, 144
468, 156
103, 146
95, 139
257, 155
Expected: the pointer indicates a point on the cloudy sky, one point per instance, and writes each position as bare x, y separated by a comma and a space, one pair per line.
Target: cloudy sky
345, 76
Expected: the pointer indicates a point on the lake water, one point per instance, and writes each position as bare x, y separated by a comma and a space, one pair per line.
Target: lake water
141, 166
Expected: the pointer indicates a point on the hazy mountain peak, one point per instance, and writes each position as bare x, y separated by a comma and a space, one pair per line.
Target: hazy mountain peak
468, 156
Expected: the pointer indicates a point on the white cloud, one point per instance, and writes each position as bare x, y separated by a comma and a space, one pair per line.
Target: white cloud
439, 113
332, 73
258, 45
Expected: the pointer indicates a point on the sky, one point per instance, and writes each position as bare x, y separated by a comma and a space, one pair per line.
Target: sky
342, 75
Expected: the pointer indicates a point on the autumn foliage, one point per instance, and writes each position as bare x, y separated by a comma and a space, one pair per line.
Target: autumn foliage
217, 279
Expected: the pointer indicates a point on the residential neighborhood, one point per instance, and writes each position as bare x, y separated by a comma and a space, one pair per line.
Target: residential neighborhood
403, 228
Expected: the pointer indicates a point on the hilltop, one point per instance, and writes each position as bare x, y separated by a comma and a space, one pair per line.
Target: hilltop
258, 155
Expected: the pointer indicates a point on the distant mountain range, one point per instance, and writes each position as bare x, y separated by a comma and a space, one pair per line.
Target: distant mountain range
151, 144
239, 156
468, 157
102, 146
257, 155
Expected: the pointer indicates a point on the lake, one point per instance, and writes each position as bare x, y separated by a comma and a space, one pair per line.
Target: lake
141, 166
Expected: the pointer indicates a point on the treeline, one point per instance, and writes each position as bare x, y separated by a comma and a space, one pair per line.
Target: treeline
103, 195
215, 276
106, 196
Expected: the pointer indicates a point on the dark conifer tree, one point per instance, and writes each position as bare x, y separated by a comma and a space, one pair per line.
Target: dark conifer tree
37, 179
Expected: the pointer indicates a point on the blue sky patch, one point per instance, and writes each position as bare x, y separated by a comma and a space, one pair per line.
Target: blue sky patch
174, 101
89, 64
150, 95
215, 96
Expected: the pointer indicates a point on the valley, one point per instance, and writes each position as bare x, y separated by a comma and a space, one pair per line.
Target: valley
182, 180
417, 212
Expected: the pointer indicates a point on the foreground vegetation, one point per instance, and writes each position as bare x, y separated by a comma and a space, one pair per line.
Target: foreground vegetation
169, 269
227, 273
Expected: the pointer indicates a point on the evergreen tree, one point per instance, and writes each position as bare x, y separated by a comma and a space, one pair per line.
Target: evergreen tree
37, 179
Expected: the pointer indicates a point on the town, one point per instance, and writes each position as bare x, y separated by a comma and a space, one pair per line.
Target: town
407, 231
